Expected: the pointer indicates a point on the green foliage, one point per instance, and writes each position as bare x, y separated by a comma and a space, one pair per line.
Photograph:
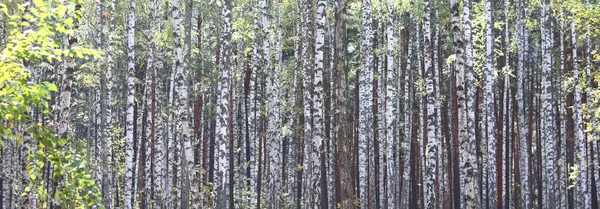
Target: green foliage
34, 38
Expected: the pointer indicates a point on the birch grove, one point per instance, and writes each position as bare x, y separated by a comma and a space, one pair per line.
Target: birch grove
299, 104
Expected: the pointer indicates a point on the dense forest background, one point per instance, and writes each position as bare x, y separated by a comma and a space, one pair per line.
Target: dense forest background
299, 104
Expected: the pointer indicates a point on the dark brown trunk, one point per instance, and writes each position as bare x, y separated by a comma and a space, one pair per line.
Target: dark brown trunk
247, 81
198, 105
355, 164
375, 112
455, 144
341, 124
516, 149
414, 150
404, 101
327, 114
261, 143
500, 104
569, 125
539, 146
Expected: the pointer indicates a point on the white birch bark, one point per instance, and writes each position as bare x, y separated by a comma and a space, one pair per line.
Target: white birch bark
160, 160
563, 168
591, 120
128, 190
438, 75
170, 152
522, 53
273, 140
307, 71
318, 111
223, 117
548, 133
182, 127
254, 89
107, 154
365, 94
470, 161
466, 165
100, 127
584, 195
432, 139
490, 112
390, 120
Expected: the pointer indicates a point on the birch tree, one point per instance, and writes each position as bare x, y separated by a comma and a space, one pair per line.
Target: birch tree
127, 201
390, 96
490, 110
582, 190
365, 94
223, 117
107, 170
317, 151
522, 53
181, 70
432, 140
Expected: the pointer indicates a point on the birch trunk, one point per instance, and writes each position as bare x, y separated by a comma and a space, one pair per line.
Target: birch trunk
317, 152
432, 139
182, 128
582, 186
107, 154
548, 134
223, 117
469, 163
127, 204
365, 91
490, 111
390, 121
522, 53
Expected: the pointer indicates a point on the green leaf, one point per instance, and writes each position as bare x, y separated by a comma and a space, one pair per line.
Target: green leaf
3, 8
38, 3
52, 87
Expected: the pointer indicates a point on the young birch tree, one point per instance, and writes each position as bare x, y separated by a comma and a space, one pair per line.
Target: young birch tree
317, 151
490, 111
365, 119
432, 140
223, 118
128, 190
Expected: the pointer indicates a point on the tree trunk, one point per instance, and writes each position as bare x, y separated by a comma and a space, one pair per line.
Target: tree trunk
317, 152
490, 111
430, 136
390, 96
365, 92
221, 181
129, 156
341, 124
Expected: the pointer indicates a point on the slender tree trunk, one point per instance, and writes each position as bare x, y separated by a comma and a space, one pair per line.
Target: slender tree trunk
198, 118
524, 154
299, 110
130, 107
318, 152
490, 111
390, 96
341, 124
365, 119
430, 136
459, 116
223, 117
582, 179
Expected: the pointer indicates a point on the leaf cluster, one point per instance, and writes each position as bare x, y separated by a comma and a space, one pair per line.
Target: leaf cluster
35, 34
